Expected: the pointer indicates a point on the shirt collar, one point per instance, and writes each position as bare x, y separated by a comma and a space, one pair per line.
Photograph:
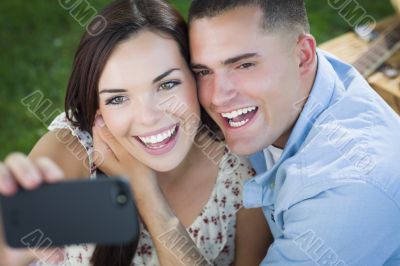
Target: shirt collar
318, 100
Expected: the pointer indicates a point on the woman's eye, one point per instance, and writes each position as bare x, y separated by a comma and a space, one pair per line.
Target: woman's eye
246, 65
116, 100
169, 85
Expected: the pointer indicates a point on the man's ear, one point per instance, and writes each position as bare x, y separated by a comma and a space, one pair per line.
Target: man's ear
306, 48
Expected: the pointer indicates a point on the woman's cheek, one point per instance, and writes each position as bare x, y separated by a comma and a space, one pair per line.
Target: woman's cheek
117, 122
192, 115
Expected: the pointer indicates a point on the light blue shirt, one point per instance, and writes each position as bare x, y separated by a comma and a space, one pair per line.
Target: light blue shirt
333, 197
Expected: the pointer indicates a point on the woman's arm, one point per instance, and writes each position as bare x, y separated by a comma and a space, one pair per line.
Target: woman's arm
65, 150
253, 237
172, 242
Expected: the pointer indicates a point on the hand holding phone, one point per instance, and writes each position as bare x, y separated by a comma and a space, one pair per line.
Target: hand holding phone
65, 212
17, 170
98, 211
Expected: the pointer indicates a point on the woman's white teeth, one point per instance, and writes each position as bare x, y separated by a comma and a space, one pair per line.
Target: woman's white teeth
159, 137
238, 124
238, 112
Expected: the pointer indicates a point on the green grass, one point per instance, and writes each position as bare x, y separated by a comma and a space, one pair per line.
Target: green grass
37, 43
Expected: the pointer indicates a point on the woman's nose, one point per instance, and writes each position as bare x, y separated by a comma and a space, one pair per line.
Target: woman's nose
146, 113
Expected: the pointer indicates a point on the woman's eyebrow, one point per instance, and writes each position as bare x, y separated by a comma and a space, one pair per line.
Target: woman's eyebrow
166, 73
112, 91
157, 79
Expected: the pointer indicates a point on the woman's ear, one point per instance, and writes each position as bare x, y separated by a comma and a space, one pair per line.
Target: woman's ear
98, 119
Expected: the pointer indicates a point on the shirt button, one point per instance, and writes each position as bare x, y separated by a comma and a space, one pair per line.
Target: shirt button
272, 185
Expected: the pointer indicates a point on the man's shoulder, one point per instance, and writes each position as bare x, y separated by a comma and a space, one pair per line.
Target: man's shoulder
356, 122
359, 145
350, 211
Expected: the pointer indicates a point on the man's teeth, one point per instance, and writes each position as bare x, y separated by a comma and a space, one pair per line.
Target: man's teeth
238, 124
238, 112
159, 137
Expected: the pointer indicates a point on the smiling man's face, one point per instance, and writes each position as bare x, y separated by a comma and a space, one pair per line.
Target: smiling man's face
249, 80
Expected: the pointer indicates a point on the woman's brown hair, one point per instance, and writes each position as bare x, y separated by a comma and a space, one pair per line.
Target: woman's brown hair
122, 19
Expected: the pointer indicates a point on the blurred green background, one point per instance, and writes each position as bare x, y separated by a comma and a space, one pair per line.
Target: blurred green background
37, 43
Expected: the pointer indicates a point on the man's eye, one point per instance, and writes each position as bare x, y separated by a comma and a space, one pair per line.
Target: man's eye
202, 73
246, 65
169, 85
116, 100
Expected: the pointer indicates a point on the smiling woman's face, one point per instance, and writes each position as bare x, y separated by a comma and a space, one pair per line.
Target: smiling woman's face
148, 100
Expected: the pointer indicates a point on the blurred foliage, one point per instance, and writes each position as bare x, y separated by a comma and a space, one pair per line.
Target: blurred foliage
37, 44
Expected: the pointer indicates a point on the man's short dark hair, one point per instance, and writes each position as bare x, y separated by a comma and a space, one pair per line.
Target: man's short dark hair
278, 14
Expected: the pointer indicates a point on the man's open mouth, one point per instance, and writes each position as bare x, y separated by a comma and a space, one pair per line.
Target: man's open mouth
240, 117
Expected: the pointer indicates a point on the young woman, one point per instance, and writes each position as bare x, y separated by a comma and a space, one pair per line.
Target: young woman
131, 108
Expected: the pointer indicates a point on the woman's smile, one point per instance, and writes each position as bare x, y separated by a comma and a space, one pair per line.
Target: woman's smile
161, 141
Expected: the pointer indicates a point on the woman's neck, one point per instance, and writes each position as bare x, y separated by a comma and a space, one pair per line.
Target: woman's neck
196, 158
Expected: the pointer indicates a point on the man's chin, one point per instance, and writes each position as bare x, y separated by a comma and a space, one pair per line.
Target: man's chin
241, 147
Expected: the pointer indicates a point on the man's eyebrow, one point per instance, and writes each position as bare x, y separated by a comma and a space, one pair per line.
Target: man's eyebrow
227, 61
239, 57
112, 91
163, 75
198, 66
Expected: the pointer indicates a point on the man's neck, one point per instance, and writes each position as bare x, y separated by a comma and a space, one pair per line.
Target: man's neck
308, 85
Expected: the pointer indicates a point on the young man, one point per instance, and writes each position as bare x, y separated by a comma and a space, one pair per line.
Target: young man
325, 145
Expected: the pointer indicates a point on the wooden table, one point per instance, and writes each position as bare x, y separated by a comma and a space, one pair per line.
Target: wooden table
349, 47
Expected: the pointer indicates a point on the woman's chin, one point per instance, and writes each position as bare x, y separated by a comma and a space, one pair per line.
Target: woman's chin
163, 167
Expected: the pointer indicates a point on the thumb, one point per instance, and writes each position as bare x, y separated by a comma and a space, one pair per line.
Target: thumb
109, 140
105, 134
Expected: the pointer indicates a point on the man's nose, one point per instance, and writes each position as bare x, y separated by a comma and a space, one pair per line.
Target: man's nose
223, 91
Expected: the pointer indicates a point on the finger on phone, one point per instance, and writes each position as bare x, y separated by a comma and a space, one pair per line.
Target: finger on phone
7, 184
23, 170
51, 172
